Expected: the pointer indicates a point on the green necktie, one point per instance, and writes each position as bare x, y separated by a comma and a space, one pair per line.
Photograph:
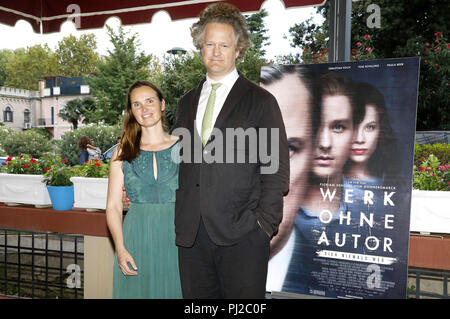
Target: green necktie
207, 118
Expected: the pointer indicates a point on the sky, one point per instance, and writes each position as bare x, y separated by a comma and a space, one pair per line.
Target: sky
153, 41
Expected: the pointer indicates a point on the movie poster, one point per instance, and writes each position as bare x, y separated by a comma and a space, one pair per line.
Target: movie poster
350, 128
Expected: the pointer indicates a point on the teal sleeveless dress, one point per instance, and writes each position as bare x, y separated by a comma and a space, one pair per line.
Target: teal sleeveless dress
148, 228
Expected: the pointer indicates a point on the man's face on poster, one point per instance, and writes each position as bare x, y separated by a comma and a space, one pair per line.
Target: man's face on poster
334, 137
293, 100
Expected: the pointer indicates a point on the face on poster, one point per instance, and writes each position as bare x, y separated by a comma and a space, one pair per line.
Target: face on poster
350, 128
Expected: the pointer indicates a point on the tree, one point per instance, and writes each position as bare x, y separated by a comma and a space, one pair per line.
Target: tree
27, 66
5, 57
124, 65
77, 110
257, 31
77, 57
405, 28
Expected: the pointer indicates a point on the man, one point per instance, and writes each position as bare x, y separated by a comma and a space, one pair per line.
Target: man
226, 212
298, 92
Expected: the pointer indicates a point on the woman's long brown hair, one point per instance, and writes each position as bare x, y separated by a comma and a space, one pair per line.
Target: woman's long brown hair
131, 136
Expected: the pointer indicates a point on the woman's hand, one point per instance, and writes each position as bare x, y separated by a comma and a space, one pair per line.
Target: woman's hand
124, 257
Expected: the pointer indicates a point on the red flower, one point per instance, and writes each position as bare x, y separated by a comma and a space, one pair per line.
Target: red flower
421, 168
33, 160
437, 34
96, 160
437, 49
98, 164
367, 36
64, 160
436, 65
9, 159
25, 166
448, 45
46, 168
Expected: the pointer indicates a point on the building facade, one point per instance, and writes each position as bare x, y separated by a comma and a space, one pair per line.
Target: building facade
24, 109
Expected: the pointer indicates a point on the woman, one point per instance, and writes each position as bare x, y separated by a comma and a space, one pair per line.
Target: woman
147, 260
86, 150
373, 148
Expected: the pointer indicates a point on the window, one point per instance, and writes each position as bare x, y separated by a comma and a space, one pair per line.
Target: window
7, 115
26, 116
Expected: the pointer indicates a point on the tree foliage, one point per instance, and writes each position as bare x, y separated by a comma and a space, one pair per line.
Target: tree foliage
257, 31
405, 28
77, 57
123, 65
27, 66
78, 110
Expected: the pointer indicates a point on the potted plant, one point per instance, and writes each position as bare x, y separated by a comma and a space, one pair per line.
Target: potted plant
430, 196
91, 185
21, 180
59, 186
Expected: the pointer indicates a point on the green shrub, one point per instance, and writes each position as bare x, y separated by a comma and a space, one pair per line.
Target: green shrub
26, 142
102, 136
431, 175
94, 168
422, 152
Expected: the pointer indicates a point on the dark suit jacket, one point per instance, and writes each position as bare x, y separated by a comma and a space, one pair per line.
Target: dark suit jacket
230, 197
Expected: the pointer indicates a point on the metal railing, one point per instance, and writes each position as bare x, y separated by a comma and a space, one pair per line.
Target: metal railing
421, 275
41, 264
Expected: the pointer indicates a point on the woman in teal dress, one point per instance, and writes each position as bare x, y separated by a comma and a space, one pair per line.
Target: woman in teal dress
146, 263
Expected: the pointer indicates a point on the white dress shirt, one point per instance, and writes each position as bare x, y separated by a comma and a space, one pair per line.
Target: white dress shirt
221, 95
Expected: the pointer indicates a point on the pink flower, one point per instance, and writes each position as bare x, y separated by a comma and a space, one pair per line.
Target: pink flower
427, 44
368, 49
367, 36
437, 49
359, 44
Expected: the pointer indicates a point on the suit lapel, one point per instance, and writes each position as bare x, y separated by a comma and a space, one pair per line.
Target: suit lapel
236, 93
196, 98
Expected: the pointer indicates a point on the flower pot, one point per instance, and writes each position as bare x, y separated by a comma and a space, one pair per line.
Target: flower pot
90, 192
429, 211
61, 197
23, 189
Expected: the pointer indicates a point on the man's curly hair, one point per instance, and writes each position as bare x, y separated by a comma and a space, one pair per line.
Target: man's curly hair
222, 13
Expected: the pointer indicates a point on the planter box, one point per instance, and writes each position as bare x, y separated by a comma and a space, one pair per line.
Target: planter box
90, 192
23, 189
430, 211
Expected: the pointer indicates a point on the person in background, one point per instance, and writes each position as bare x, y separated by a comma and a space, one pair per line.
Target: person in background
86, 150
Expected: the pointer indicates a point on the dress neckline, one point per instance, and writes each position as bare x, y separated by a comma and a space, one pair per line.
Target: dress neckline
165, 149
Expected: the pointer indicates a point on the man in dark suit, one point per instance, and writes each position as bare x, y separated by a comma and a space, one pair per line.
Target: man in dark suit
227, 210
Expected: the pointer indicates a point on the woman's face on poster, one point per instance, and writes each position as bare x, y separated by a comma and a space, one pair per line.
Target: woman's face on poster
365, 136
293, 100
334, 137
